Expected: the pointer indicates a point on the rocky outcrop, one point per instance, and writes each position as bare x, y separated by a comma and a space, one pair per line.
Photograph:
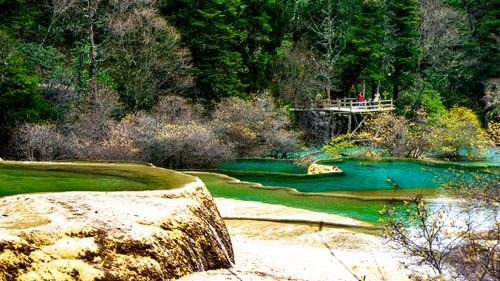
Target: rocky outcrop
148, 235
323, 169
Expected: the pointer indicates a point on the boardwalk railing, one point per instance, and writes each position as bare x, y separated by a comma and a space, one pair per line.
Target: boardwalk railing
350, 105
353, 104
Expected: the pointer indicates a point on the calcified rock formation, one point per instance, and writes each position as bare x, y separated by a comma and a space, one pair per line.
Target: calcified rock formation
323, 169
149, 235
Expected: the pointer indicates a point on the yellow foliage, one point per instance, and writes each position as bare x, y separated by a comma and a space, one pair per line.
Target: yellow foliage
373, 154
493, 130
460, 128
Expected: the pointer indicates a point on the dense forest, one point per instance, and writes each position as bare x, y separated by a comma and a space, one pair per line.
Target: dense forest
167, 81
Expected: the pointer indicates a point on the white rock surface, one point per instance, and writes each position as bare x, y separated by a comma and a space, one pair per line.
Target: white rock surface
148, 235
322, 169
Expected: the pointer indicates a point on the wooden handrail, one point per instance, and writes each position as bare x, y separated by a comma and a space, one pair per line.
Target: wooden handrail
350, 105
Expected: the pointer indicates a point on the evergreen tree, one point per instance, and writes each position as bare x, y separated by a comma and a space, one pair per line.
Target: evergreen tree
21, 19
209, 29
403, 20
20, 93
265, 23
363, 58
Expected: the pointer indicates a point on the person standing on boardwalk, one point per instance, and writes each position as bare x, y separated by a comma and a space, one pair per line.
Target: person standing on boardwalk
361, 97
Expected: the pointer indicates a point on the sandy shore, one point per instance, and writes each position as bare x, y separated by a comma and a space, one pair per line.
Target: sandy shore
266, 248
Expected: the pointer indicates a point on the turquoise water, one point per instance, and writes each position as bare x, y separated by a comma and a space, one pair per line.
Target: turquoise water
491, 155
364, 181
263, 165
365, 210
20, 178
358, 174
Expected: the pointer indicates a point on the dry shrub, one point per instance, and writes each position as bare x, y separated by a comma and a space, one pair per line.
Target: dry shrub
254, 126
90, 118
458, 240
187, 145
493, 130
37, 142
458, 129
174, 109
86, 132
116, 144
172, 135
396, 135
45, 142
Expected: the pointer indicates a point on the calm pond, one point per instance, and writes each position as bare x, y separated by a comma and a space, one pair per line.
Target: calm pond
360, 193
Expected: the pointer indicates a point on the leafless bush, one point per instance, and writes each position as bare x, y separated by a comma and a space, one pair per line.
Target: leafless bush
36, 142
146, 55
116, 144
174, 109
493, 130
296, 74
181, 146
87, 132
172, 135
253, 127
89, 119
460, 240
396, 134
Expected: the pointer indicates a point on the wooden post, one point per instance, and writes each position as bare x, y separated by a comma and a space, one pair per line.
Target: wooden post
349, 126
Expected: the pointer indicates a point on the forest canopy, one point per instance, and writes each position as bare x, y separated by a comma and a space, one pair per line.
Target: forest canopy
122, 57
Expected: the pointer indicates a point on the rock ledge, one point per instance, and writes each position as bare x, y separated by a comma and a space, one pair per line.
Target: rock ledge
323, 169
148, 235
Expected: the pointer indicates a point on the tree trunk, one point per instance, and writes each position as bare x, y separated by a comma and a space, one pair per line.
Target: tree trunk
395, 91
92, 63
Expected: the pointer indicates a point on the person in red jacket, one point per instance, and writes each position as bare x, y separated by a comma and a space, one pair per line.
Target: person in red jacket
361, 97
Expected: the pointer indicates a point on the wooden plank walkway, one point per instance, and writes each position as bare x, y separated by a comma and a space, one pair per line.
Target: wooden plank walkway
349, 105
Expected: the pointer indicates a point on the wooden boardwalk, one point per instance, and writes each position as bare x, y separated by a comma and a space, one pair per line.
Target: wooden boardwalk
349, 105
